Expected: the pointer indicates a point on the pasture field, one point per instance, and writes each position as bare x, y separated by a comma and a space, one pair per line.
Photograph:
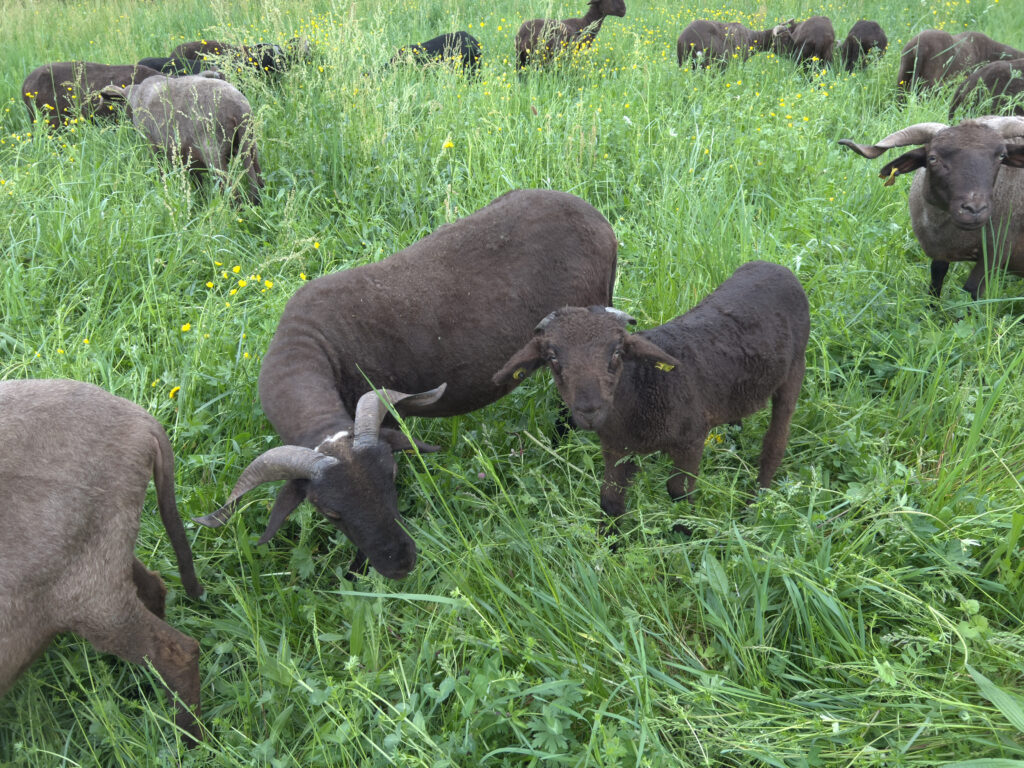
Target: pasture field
864, 611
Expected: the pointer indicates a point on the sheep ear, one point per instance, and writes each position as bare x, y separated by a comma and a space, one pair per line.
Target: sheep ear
114, 92
639, 348
521, 364
1014, 156
905, 163
399, 442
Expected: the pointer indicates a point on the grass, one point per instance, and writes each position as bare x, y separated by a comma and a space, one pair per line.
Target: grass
864, 611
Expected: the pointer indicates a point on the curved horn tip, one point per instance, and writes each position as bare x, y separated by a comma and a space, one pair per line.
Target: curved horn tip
216, 519
545, 322
624, 316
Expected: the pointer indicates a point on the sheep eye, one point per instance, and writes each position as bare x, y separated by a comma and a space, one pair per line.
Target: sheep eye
932, 160
1002, 155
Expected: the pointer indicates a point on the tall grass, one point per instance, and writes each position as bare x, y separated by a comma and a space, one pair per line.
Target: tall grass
864, 611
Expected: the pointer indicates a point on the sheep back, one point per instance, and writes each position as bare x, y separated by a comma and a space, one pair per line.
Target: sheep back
64, 90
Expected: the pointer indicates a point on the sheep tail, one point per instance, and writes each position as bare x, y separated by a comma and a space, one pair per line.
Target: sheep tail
163, 479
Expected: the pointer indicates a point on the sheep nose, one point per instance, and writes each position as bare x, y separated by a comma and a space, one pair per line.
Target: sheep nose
974, 207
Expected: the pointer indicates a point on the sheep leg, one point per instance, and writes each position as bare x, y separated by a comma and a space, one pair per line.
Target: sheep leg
139, 635
20, 644
975, 284
783, 405
939, 270
686, 460
618, 474
150, 588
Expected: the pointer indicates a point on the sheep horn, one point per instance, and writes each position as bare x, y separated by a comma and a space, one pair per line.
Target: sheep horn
544, 323
624, 317
911, 135
372, 408
1009, 127
286, 462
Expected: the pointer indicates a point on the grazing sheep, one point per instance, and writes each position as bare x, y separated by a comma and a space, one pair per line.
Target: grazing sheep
455, 46
197, 119
170, 66
66, 90
934, 55
961, 207
864, 37
665, 388
74, 465
449, 309
265, 57
808, 41
541, 39
705, 41
999, 86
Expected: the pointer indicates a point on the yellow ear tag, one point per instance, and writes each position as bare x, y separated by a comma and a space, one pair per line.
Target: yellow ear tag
892, 177
663, 366
518, 374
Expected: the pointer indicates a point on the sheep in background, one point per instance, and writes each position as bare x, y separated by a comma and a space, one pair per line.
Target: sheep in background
172, 66
933, 56
665, 388
455, 46
541, 39
67, 90
864, 36
267, 58
198, 120
74, 465
807, 41
961, 207
449, 309
999, 86
707, 41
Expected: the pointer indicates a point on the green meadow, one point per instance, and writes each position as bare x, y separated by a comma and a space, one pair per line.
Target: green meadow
864, 611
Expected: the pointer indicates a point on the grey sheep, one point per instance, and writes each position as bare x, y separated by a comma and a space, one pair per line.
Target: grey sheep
447, 310
999, 86
706, 42
198, 120
934, 55
665, 388
807, 41
74, 465
863, 38
961, 207
68, 90
539, 40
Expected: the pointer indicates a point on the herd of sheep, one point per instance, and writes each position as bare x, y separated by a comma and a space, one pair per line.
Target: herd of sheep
355, 347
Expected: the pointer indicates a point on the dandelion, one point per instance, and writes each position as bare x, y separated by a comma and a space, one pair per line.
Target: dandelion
60, 351
85, 341
174, 391
242, 283
447, 145
268, 283
315, 246
302, 276
236, 269
209, 284
186, 327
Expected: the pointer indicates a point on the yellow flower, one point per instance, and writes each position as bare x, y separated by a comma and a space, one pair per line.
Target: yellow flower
186, 327
447, 145
173, 392
242, 283
268, 283
85, 341
236, 269
316, 244
209, 285
302, 276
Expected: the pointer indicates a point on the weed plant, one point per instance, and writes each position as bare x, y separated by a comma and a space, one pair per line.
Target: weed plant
864, 611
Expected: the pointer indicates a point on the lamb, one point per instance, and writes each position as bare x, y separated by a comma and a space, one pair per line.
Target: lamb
265, 57
434, 319
961, 207
197, 119
541, 39
705, 41
74, 465
65, 90
934, 56
808, 41
1002, 81
864, 37
171, 66
665, 388
455, 46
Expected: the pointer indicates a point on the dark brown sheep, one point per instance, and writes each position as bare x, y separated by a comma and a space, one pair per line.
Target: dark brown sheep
61, 92
449, 309
807, 42
459, 47
706, 42
199, 120
665, 388
74, 465
999, 86
169, 66
933, 56
864, 37
540, 40
265, 57
961, 207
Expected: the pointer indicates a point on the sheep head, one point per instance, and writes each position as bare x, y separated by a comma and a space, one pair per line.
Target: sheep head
585, 349
961, 163
610, 7
350, 479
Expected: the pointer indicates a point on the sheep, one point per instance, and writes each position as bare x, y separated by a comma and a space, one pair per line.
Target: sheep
1003, 81
197, 119
65, 90
170, 66
807, 41
707, 41
961, 207
265, 57
665, 388
541, 39
74, 465
458, 46
864, 37
434, 319
933, 56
